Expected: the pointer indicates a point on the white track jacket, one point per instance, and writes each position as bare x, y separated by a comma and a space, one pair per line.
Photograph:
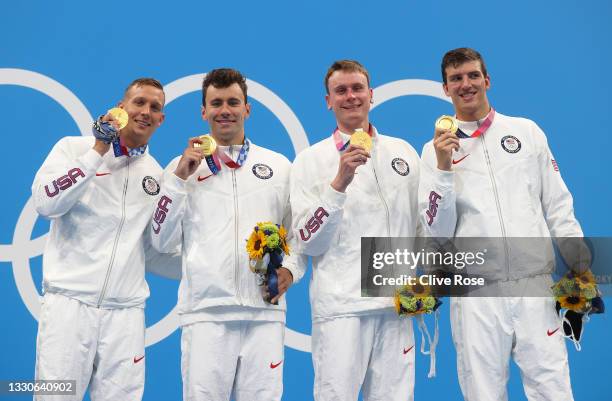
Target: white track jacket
211, 217
504, 184
99, 208
381, 201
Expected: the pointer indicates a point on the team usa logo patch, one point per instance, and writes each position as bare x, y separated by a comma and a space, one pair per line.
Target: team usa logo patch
262, 171
400, 166
511, 144
150, 185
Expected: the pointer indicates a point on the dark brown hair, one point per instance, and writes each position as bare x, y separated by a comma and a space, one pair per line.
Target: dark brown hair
223, 78
456, 57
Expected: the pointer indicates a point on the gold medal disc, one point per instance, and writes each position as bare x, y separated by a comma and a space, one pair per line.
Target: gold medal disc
208, 145
119, 115
361, 138
447, 123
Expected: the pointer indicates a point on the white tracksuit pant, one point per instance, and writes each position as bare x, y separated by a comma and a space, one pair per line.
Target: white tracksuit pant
99, 348
239, 359
375, 351
488, 331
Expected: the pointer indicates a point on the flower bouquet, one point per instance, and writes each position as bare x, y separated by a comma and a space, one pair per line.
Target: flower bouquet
577, 298
415, 299
266, 247
578, 292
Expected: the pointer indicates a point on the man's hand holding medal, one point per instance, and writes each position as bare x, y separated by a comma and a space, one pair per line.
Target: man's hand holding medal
107, 127
445, 141
357, 154
193, 155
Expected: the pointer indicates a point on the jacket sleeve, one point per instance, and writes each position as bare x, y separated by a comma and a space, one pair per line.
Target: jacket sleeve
294, 262
437, 197
558, 208
63, 179
166, 265
557, 202
167, 221
317, 210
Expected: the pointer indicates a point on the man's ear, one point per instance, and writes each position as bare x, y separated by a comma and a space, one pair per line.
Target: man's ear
445, 87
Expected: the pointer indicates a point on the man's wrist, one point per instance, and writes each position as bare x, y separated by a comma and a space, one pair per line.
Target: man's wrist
338, 186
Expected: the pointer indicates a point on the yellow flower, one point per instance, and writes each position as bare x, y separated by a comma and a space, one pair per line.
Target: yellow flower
255, 244
420, 290
585, 279
282, 232
396, 301
577, 304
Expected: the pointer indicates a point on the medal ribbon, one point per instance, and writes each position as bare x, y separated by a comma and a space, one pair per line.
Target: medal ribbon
214, 164
120, 149
482, 128
340, 144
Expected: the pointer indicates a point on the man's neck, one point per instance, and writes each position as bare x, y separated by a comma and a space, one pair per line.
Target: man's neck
130, 143
475, 116
237, 140
350, 128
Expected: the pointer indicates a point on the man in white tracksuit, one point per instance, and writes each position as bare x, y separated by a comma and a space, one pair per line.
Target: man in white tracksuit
91, 326
232, 340
498, 178
340, 193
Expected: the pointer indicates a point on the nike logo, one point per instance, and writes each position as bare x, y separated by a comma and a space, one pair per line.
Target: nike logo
408, 350
550, 333
457, 161
101, 174
200, 178
138, 359
274, 366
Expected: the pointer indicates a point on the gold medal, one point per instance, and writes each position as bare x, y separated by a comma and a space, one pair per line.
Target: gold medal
208, 145
119, 115
447, 123
361, 138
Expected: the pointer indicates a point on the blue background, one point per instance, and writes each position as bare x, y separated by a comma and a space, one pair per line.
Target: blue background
548, 61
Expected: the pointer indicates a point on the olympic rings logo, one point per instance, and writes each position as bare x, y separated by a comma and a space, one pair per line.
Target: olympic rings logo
23, 248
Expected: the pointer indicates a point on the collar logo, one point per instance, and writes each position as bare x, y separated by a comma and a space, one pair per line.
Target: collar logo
150, 185
400, 166
511, 144
262, 171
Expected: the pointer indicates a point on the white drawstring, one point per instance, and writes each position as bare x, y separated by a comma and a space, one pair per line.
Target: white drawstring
572, 336
432, 344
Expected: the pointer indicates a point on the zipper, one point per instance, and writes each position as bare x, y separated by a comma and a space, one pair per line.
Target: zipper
382, 199
497, 204
236, 254
116, 243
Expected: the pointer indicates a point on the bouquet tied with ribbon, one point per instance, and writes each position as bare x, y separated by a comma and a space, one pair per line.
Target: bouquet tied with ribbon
577, 297
266, 247
417, 300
